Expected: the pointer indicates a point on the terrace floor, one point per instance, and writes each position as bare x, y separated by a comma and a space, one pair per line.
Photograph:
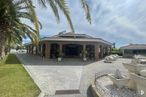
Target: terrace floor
70, 78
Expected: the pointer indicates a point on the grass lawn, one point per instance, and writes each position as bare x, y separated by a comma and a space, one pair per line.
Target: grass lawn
14, 80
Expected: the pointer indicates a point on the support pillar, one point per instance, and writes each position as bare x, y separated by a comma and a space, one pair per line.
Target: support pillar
34, 50
96, 52
47, 50
84, 51
60, 50
101, 51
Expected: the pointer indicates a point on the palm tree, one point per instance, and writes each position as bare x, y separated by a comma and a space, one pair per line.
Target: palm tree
13, 29
11, 26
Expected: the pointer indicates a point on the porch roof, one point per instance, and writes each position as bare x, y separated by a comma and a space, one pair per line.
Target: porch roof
76, 40
134, 47
73, 37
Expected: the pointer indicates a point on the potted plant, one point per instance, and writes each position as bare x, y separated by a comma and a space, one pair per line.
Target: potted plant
59, 57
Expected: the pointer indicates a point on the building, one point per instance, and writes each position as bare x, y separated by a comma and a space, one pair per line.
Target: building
133, 49
71, 45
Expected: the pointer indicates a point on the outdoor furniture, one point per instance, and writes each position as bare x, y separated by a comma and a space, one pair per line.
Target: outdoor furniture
111, 58
142, 61
108, 60
139, 57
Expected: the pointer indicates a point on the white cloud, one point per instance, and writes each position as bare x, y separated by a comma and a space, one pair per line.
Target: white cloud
120, 21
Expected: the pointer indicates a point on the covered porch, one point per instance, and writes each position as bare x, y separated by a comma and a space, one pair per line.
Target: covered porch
53, 50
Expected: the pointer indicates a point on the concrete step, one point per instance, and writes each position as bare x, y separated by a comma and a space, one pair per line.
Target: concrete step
66, 95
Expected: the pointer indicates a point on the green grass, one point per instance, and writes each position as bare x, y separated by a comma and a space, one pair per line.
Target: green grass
14, 80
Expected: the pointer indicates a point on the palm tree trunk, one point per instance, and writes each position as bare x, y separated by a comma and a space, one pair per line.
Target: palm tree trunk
2, 44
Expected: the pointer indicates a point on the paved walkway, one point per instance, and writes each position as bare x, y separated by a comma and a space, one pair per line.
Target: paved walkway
70, 74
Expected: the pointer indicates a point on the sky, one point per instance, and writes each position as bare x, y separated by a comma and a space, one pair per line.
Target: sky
117, 21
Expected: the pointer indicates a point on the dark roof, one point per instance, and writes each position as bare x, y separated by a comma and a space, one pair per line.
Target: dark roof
74, 37
134, 46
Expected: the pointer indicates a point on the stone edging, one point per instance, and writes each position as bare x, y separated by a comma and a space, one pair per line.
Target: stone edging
41, 94
94, 92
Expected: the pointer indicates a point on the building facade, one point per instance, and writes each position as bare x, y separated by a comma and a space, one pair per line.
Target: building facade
133, 49
70, 45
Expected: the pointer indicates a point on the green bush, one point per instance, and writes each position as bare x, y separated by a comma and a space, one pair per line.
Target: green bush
116, 51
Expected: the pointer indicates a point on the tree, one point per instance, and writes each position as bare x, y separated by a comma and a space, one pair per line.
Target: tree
12, 29
11, 26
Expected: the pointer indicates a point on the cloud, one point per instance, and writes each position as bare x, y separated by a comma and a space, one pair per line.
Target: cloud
119, 21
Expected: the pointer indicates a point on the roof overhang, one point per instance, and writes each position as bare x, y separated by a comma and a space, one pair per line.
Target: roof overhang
77, 40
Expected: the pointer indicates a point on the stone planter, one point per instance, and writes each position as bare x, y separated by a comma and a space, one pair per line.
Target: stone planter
140, 83
134, 68
140, 67
119, 82
85, 59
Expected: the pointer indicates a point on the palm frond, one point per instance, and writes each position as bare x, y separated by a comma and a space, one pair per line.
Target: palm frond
42, 3
32, 12
87, 10
63, 6
54, 8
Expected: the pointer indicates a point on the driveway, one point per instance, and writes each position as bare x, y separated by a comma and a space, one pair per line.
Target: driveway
68, 75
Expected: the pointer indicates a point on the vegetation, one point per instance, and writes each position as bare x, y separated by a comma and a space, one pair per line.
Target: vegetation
12, 29
14, 80
116, 51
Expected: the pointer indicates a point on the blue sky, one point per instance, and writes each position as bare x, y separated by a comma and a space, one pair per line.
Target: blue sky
119, 21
